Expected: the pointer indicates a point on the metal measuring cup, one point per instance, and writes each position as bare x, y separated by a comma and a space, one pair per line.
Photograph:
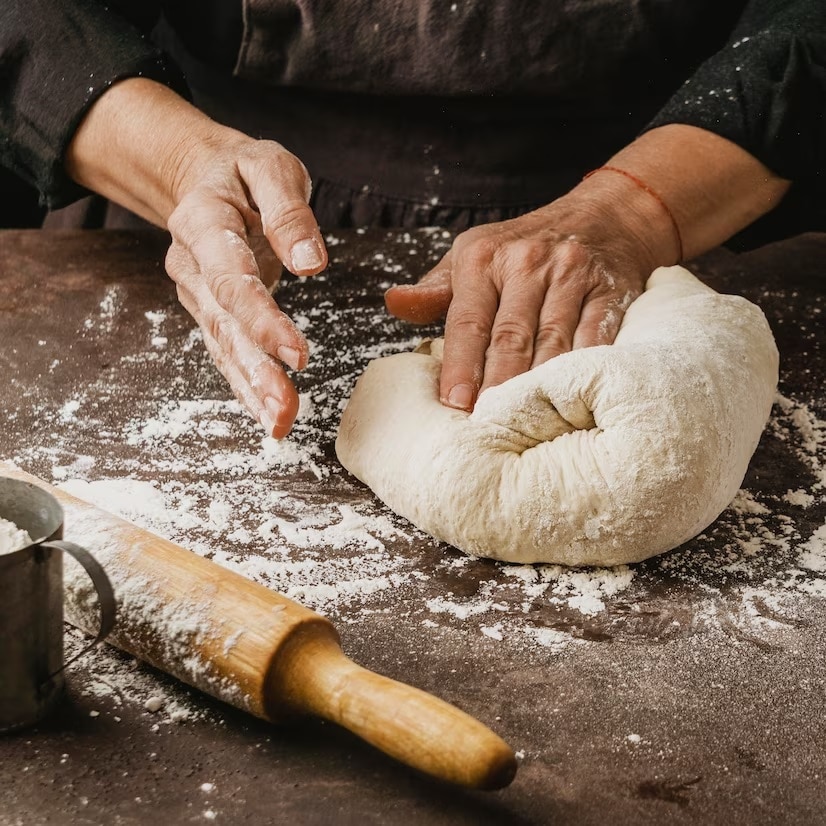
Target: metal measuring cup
31, 606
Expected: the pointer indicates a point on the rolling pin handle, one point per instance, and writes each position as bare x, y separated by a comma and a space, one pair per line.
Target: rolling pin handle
313, 676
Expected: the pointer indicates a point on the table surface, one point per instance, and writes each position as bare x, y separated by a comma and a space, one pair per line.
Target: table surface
689, 687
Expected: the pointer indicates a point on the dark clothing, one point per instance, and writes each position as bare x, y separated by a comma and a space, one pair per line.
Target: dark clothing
434, 112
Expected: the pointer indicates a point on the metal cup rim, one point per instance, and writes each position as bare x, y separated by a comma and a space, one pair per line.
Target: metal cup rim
34, 491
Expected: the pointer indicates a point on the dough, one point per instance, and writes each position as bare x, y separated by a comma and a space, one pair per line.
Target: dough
601, 456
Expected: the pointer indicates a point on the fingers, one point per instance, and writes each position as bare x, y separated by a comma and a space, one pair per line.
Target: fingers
258, 381
514, 335
280, 187
600, 320
425, 301
247, 212
211, 231
467, 335
518, 301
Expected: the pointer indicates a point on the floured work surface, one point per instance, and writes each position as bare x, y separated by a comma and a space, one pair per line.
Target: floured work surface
689, 687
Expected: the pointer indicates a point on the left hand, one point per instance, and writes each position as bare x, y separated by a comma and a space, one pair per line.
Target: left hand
520, 292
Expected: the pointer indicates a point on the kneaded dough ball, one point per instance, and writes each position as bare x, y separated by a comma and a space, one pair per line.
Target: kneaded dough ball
601, 456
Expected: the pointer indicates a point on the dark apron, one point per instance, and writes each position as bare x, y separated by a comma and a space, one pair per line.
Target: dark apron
435, 113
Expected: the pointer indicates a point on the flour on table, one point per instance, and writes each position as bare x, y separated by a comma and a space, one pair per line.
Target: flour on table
186, 462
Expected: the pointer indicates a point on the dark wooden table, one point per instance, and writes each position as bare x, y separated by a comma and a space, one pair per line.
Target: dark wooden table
690, 691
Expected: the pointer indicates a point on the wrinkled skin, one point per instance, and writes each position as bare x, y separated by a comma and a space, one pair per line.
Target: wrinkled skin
520, 292
225, 254
514, 294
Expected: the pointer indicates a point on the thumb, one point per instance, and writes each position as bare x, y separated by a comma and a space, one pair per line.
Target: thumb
280, 186
425, 301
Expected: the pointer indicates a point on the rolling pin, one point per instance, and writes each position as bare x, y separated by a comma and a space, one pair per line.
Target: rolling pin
260, 651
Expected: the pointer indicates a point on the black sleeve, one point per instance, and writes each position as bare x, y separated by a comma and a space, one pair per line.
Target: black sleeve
766, 91
56, 58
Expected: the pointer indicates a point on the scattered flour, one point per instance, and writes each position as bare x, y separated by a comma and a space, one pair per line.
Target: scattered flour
117, 680
110, 306
813, 556
188, 463
69, 410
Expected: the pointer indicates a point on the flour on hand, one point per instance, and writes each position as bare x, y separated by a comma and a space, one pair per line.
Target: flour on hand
601, 456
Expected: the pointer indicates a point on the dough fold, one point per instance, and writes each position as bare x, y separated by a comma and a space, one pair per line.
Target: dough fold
601, 456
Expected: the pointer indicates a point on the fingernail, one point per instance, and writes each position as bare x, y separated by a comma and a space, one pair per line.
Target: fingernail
305, 255
276, 412
266, 422
460, 396
290, 356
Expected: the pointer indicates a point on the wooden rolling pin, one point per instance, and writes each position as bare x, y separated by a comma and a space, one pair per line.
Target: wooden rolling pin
260, 651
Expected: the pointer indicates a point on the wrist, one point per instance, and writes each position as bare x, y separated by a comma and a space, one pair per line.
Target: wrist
636, 211
197, 150
713, 187
139, 145
611, 214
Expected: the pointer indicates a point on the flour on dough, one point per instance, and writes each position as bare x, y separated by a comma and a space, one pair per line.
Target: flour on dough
600, 456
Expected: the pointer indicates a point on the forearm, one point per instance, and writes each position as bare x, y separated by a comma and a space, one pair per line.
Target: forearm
712, 187
57, 60
765, 91
136, 145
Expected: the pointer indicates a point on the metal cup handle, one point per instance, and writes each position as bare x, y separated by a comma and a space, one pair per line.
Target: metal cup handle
106, 596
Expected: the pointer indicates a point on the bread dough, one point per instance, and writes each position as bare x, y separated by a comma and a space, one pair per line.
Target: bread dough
600, 456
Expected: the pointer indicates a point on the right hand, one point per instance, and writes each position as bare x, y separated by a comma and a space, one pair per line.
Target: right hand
223, 196
247, 195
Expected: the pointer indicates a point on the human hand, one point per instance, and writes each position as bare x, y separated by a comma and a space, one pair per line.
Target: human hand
235, 207
520, 292
246, 195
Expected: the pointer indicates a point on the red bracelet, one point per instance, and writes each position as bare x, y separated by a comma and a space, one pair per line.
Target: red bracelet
644, 186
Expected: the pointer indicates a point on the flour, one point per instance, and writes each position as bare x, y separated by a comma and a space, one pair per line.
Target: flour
115, 680
186, 462
810, 435
12, 538
69, 410
813, 556
110, 306
205, 418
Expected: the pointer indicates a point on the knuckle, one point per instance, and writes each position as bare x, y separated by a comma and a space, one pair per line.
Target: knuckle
290, 215
512, 337
225, 288
571, 254
552, 335
185, 299
213, 326
261, 331
178, 221
468, 325
199, 215
220, 359
223, 349
174, 262
480, 251
299, 172
269, 159
527, 256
